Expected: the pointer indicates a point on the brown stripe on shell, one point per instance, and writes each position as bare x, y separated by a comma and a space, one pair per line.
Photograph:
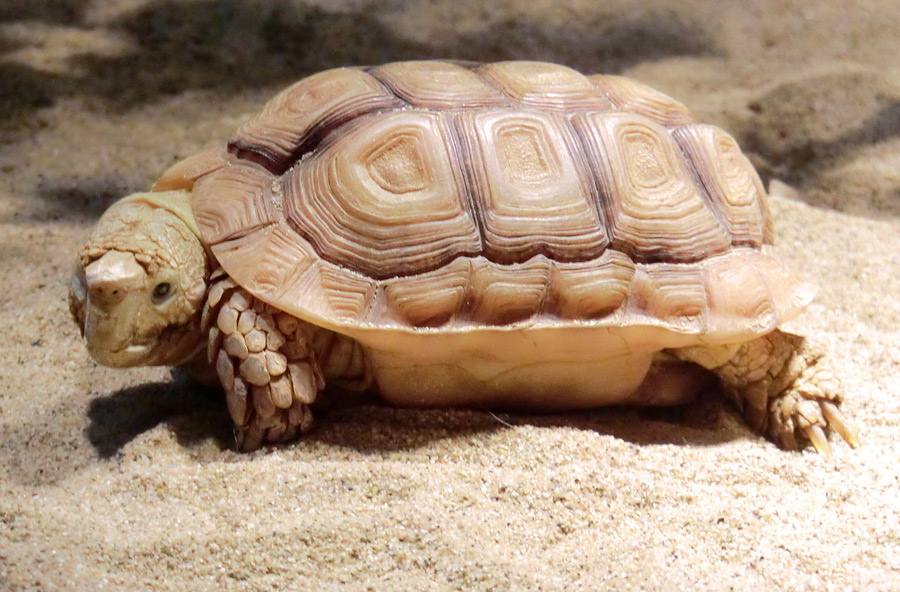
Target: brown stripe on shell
730, 180
632, 96
296, 120
438, 85
655, 210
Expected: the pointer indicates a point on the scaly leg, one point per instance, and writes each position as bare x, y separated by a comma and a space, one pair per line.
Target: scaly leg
265, 363
781, 383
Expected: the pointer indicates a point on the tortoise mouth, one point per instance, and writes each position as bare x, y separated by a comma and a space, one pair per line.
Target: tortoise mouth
173, 346
134, 354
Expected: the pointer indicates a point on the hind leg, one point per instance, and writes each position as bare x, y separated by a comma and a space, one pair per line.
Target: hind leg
782, 384
671, 381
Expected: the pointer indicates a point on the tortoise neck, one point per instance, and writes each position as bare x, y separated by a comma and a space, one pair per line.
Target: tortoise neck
178, 202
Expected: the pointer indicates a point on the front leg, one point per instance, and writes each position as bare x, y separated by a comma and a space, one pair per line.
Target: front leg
265, 363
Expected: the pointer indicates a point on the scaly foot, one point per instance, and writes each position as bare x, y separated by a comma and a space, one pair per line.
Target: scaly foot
783, 385
266, 365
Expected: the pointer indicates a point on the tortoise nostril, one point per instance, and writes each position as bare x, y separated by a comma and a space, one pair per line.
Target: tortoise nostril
110, 278
102, 294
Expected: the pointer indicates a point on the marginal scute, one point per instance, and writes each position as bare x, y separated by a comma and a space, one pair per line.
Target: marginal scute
730, 181
184, 173
429, 299
789, 295
384, 198
548, 86
505, 294
591, 289
265, 261
655, 209
299, 116
233, 201
739, 298
632, 96
669, 293
347, 294
438, 85
536, 199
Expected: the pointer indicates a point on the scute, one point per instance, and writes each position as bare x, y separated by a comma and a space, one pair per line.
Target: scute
234, 201
269, 261
656, 211
397, 166
633, 97
506, 294
548, 86
444, 198
305, 112
430, 299
592, 289
536, 196
438, 85
384, 199
669, 294
730, 181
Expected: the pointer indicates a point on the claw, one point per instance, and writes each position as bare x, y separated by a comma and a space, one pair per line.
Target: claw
251, 438
838, 423
783, 432
787, 441
817, 436
756, 418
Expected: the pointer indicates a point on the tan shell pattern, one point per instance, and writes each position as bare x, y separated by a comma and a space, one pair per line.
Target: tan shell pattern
518, 194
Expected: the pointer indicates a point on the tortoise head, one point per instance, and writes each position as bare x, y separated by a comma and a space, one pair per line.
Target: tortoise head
139, 286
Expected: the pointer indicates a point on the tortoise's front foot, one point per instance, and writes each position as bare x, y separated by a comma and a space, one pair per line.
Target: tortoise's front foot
783, 385
266, 366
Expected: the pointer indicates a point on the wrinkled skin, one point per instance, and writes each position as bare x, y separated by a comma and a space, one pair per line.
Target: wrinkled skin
140, 285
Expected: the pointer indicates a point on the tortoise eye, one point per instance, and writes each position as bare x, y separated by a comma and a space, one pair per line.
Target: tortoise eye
162, 292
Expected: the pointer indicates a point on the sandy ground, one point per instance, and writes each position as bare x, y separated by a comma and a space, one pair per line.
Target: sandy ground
124, 480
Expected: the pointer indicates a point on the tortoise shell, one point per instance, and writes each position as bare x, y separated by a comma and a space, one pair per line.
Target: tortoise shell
440, 197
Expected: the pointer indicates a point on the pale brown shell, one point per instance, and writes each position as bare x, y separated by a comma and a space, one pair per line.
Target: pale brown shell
433, 196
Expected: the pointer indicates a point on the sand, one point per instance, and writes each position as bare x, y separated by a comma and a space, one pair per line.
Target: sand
124, 480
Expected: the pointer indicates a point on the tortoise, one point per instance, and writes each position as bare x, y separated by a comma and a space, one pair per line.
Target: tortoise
511, 235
